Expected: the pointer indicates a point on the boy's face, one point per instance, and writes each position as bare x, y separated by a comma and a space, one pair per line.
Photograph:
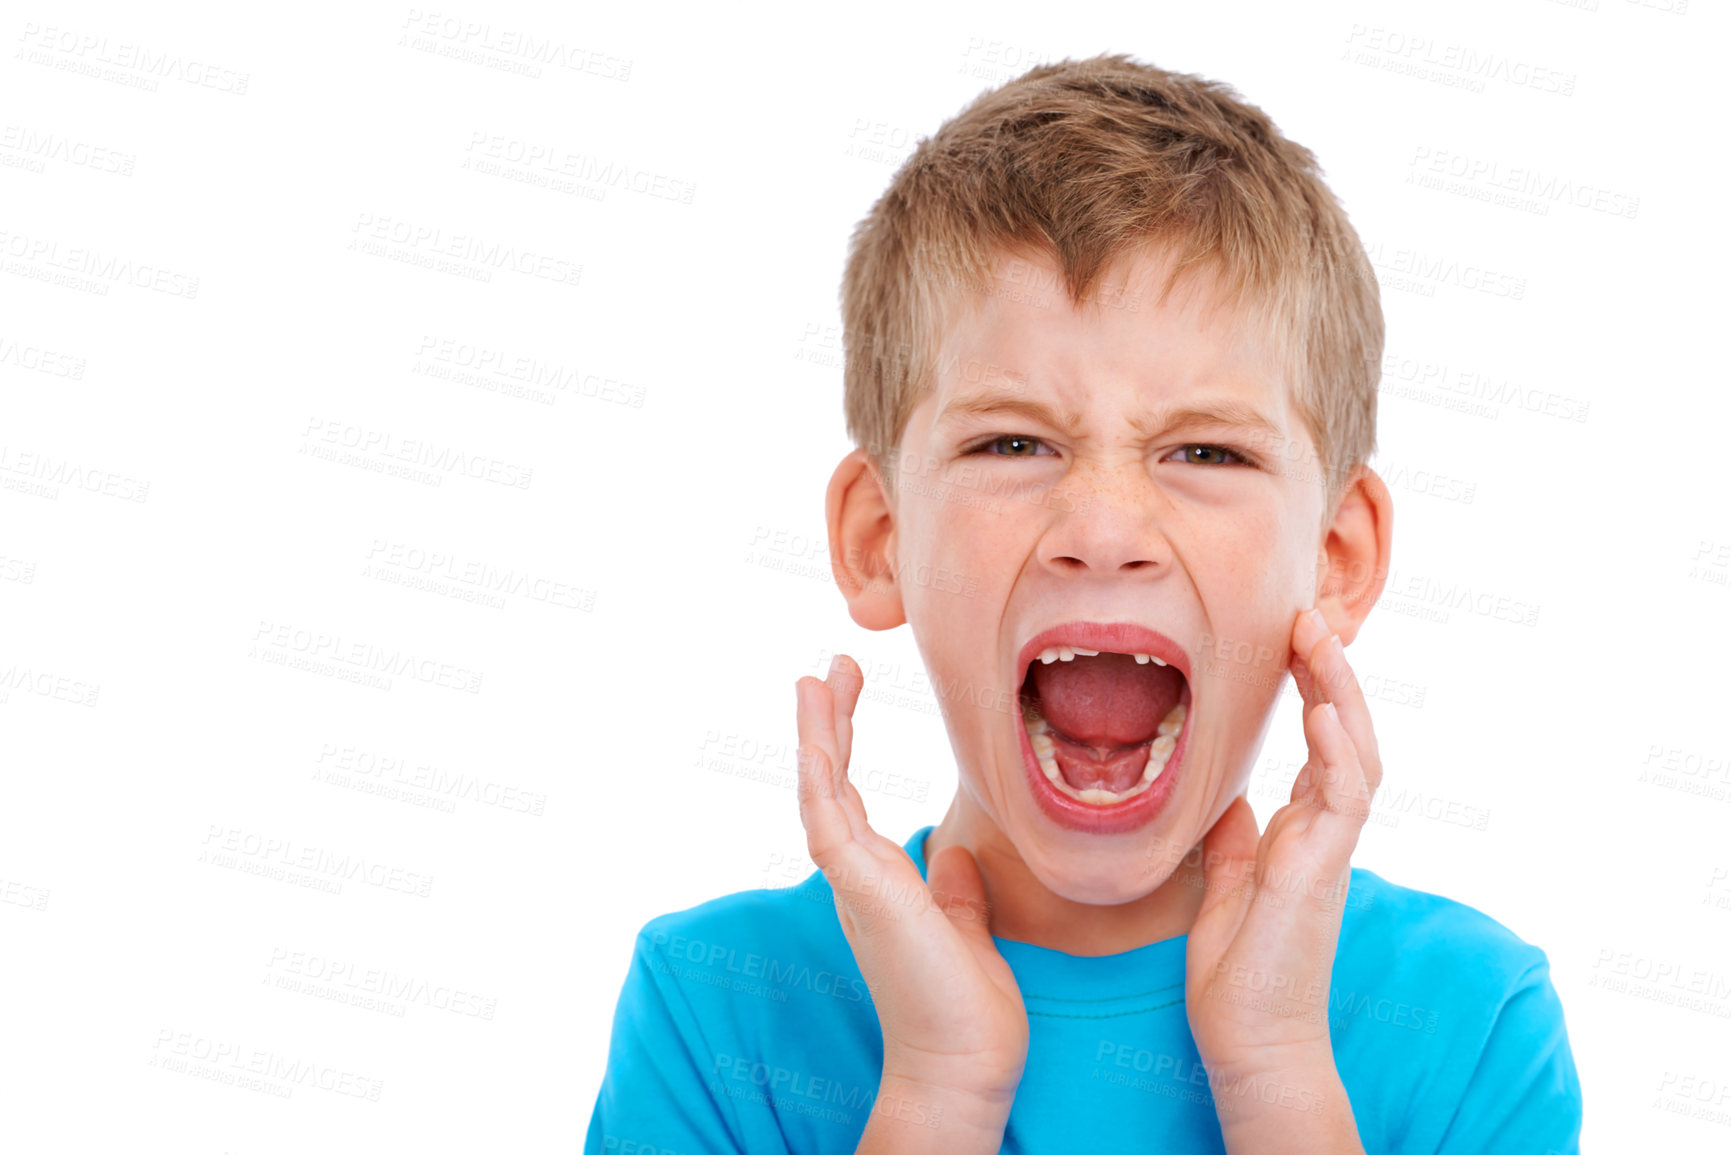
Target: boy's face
1141, 465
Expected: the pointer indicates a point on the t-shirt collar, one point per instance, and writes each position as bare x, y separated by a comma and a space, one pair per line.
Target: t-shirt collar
1055, 982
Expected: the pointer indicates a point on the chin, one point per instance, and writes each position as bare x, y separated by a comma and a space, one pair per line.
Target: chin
1096, 876
1101, 870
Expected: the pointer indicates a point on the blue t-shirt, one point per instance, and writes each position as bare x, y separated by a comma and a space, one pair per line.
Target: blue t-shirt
744, 1026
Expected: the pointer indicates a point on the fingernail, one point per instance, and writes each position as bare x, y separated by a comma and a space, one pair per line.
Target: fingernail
1333, 714
1320, 622
799, 691
834, 665
1335, 644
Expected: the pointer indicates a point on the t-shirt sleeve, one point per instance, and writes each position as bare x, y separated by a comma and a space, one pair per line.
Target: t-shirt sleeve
1523, 1097
655, 1096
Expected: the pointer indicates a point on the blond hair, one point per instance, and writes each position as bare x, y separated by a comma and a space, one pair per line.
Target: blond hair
1089, 161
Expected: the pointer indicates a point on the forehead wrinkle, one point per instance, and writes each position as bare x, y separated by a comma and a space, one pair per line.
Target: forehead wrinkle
1223, 412
984, 403
993, 402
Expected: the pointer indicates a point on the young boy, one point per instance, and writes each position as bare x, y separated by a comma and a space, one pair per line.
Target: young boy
1113, 351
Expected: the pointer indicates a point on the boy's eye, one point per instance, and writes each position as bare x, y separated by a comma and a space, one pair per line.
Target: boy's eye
1020, 446
1207, 455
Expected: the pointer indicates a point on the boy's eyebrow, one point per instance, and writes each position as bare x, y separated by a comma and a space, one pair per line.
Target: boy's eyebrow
993, 404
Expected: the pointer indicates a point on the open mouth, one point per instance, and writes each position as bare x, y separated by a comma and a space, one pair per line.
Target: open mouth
1105, 726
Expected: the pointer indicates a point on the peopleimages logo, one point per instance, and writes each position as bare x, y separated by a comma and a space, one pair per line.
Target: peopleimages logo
225, 1060
353, 977
757, 966
785, 1080
285, 855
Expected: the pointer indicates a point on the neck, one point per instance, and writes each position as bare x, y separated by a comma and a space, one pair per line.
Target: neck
1025, 910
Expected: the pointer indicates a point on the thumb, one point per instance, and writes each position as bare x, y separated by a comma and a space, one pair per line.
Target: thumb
1229, 859
954, 879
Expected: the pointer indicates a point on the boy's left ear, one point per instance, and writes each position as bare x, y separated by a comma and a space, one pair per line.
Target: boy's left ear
1352, 562
862, 543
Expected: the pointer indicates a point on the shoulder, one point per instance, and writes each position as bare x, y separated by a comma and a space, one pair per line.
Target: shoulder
786, 937
723, 1002
1446, 1025
1415, 930
783, 916
778, 948
1433, 979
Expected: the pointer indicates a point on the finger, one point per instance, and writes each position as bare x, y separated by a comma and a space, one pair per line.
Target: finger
1328, 664
827, 826
1229, 866
815, 718
1308, 628
1340, 809
852, 857
1342, 799
1304, 784
845, 682
816, 722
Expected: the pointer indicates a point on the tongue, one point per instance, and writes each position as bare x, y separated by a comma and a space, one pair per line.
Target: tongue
1103, 712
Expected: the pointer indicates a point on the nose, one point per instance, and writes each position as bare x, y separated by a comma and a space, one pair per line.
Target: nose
1110, 523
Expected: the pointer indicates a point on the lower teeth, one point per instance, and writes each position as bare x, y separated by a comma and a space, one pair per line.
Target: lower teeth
1159, 751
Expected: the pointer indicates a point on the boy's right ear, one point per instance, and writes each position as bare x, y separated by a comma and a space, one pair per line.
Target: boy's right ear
862, 543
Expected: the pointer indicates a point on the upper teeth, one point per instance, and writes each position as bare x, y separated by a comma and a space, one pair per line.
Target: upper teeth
1068, 653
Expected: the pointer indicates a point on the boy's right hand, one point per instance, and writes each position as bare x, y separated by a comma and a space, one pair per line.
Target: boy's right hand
954, 1029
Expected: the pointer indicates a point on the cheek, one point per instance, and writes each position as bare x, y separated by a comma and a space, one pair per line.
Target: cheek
1255, 566
1253, 578
955, 564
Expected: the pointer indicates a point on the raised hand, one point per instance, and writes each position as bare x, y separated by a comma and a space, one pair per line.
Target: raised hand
954, 1029
1261, 952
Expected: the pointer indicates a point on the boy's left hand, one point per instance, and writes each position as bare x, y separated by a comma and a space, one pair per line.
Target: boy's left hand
1261, 952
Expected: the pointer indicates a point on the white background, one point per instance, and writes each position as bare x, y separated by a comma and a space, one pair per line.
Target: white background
175, 551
